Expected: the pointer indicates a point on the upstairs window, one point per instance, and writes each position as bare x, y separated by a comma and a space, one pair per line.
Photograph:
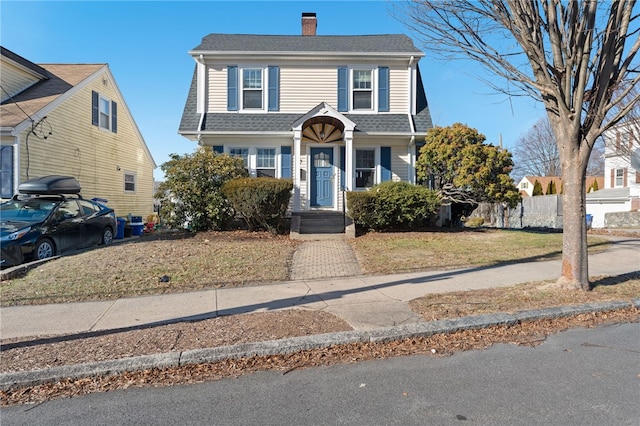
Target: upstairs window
619, 178
362, 90
104, 112
252, 88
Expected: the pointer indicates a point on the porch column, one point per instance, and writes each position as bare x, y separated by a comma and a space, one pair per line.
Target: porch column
297, 136
348, 163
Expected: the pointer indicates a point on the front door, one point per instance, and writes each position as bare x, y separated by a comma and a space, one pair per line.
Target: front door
321, 177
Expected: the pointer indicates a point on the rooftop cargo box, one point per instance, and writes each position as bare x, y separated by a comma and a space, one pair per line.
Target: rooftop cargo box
50, 185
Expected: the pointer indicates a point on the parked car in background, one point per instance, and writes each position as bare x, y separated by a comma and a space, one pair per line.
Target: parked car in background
49, 217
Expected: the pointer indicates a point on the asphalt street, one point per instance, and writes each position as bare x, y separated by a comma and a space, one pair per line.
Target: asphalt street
578, 377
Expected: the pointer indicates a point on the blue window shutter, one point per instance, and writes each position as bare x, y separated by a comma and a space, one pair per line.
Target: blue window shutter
385, 163
218, 149
114, 117
343, 184
94, 108
232, 88
274, 88
343, 89
285, 162
383, 89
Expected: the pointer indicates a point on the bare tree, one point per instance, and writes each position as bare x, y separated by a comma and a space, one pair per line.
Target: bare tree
536, 154
577, 57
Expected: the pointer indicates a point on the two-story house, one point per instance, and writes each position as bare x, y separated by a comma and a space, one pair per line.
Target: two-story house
333, 113
621, 191
71, 119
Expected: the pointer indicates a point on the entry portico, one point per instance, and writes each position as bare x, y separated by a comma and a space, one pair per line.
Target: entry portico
322, 150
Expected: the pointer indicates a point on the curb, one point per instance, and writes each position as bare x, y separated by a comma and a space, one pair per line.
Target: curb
19, 379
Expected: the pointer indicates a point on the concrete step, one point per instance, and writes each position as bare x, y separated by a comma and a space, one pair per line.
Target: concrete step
321, 223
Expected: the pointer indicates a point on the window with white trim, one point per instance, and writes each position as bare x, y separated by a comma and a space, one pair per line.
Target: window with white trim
252, 88
619, 178
365, 168
6, 171
242, 153
104, 112
266, 162
362, 89
129, 182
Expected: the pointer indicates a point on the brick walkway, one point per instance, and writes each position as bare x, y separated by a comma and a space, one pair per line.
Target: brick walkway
324, 259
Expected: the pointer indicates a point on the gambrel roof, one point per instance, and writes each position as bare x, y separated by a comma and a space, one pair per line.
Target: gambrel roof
388, 44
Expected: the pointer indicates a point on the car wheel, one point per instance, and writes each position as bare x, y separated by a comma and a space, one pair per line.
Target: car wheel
107, 236
44, 249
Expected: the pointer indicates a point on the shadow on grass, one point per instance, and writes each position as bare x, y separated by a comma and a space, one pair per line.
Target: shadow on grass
616, 280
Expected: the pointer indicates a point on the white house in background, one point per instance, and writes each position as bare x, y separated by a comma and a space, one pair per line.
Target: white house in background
621, 191
333, 113
527, 183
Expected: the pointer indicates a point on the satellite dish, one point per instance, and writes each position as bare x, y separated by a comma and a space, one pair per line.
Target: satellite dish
635, 159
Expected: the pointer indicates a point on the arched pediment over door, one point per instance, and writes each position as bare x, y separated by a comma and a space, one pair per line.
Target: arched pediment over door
322, 130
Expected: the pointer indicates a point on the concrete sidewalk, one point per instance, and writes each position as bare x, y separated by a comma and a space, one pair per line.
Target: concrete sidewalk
365, 302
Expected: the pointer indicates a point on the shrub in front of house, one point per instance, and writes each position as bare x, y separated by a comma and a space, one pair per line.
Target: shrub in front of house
190, 194
393, 206
261, 202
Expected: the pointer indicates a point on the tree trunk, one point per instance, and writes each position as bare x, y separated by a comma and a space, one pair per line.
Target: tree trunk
575, 267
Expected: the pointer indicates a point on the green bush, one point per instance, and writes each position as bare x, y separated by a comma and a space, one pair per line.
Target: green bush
537, 188
261, 202
393, 205
190, 194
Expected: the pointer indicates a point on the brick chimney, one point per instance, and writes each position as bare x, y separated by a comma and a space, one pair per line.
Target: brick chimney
309, 23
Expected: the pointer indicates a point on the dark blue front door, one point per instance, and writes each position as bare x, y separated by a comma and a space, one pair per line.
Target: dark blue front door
321, 177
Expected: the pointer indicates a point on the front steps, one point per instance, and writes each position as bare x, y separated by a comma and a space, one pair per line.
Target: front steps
321, 225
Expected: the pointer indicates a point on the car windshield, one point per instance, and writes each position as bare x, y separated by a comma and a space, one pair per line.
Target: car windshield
33, 210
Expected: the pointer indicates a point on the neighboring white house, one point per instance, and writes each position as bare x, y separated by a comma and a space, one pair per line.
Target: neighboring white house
621, 191
527, 183
333, 113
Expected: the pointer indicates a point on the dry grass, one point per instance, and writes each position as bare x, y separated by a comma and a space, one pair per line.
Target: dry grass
406, 252
523, 297
189, 262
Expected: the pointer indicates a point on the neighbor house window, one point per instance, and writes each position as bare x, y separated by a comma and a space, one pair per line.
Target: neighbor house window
362, 89
619, 181
129, 182
104, 112
252, 88
241, 153
266, 162
524, 185
365, 168
6, 171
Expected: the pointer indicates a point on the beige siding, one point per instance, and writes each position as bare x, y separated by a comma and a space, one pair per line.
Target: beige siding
398, 90
217, 89
304, 87
399, 163
14, 80
92, 155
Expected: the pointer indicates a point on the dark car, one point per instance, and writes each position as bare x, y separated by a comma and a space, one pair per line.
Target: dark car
41, 222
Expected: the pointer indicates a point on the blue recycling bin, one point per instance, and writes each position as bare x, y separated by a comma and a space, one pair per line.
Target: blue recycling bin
589, 221
120, 230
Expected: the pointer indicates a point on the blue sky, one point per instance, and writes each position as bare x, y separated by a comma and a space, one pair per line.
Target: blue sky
146, 43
